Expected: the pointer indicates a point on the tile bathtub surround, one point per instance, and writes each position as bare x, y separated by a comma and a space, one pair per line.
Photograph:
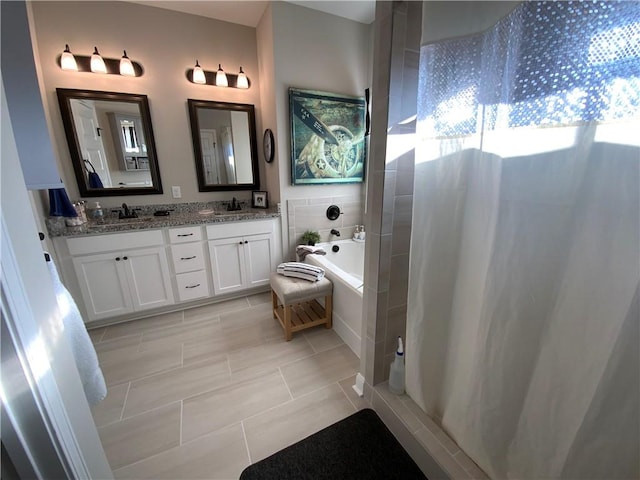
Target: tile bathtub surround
204, 392
311, 214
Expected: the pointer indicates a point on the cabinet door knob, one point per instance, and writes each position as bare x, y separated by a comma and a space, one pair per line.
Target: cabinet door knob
246, 241
125, 258
240, 242
117, 259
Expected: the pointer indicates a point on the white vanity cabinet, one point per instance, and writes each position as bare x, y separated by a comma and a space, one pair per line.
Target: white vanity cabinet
189, 263
242, 255
121, 273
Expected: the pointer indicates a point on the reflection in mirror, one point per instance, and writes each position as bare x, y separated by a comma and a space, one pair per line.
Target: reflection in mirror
224, 144
111, 142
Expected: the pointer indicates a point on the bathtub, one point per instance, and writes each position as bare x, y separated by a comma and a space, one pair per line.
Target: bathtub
345, 268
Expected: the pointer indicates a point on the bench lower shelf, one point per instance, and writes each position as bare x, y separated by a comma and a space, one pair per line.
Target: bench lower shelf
300, 316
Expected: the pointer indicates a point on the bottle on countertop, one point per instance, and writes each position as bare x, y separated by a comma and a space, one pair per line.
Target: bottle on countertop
362, 234
396, 373
83, 209
98, 213
356, 233
80, 210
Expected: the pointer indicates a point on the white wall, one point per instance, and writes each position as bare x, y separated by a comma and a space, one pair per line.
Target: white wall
166, 43
292, 46
313, 51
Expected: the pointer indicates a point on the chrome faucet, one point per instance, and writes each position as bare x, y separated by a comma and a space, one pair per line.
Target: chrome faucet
335, 232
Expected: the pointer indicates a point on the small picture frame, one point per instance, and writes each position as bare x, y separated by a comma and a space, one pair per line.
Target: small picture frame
259, 200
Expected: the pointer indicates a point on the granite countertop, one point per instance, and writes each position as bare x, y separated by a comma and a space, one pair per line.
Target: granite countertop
180, 215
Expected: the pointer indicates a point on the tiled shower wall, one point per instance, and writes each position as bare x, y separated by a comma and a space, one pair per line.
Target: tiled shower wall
311, 214
391, 168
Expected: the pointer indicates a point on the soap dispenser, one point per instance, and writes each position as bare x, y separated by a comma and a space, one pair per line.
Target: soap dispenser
98, 214
396, 373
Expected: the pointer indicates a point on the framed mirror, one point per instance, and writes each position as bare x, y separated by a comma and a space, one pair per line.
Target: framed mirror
111, 142
224, 144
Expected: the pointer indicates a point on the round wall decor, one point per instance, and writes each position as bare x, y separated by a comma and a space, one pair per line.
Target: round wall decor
268, 145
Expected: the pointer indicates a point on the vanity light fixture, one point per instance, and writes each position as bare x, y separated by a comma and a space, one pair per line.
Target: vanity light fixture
242, 81
97, 64
221, 77
68, 61
218, 78
198, 74
126, 67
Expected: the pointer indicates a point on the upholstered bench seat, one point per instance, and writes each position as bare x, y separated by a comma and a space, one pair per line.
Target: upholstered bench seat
295, 303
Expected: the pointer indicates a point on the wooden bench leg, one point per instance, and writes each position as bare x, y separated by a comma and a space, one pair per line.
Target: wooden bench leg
274, 303
287, 322
328, 308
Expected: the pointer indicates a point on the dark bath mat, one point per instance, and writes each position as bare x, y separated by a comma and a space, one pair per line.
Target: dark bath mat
358, 447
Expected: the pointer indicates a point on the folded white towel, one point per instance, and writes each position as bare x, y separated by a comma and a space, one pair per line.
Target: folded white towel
301, 270
79, 341
303, 250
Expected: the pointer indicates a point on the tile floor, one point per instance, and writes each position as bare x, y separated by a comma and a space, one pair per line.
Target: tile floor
204, 392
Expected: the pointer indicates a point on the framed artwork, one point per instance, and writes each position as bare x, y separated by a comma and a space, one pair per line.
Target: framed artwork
327, 137
259, 200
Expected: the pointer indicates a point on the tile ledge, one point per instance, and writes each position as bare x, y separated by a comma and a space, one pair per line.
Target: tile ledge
442, 456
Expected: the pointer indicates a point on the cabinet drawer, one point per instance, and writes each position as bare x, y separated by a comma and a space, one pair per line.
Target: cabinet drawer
187, 257
115, 242
186, 234
192, 285
239, 229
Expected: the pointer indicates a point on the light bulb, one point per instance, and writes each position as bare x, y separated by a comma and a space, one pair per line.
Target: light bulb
97, 63
68, 61
198, 74
126, 67
221, 77
242, 81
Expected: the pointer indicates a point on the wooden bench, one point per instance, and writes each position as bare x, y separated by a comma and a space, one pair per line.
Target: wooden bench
295, 303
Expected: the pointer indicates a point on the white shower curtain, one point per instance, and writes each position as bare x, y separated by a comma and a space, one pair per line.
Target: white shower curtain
523, 318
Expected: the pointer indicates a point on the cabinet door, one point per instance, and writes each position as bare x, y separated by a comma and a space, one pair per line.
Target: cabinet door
104, 286
148, 275
227, 265
258, 251
24, 101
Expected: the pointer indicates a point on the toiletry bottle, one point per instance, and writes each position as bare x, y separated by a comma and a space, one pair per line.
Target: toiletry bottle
396, 373
98, 214
361, 235
79, 207
83, 211
356, 234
